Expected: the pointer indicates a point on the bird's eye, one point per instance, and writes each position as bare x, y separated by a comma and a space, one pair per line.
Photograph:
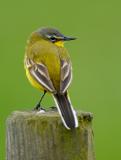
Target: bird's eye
53, 38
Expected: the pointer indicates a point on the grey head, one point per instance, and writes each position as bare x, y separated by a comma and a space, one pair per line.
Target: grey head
53, 35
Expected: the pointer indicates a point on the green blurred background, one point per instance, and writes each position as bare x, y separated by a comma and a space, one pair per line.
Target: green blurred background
96, 57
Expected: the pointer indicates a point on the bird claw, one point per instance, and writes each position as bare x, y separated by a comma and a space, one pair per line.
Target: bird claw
38, 108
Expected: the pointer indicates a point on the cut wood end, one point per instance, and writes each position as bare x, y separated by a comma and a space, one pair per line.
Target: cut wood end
82, 116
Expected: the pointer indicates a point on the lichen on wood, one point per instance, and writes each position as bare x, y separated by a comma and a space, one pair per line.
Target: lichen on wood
35, 136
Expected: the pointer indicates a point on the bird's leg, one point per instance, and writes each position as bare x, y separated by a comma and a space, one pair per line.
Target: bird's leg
38, 106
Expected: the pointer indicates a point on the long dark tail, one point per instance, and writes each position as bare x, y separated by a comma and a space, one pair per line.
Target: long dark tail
68, 114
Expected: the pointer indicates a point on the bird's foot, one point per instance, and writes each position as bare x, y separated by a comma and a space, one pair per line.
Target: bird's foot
39, 108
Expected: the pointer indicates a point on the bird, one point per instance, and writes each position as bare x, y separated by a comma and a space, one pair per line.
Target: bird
49, 68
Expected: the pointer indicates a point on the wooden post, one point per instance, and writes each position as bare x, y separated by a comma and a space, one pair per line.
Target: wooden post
42, 136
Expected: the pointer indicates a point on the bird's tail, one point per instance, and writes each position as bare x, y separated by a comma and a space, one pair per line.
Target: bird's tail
67, 113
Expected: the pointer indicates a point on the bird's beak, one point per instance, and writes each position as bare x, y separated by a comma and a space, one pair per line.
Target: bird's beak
60, 40
68, 38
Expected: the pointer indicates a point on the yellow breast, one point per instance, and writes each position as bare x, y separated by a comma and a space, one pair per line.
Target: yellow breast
33, 82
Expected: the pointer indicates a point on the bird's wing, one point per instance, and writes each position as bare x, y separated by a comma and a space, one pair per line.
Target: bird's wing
40, 73
66, 75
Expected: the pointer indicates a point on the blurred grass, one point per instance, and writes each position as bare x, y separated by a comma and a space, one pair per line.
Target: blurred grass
95, 56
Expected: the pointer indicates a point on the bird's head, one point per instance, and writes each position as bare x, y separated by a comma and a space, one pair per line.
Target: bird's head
54, 36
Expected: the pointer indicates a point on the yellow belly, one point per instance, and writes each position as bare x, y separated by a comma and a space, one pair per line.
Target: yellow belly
33, 82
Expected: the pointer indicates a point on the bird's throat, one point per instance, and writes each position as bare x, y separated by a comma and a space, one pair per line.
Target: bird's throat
59, 43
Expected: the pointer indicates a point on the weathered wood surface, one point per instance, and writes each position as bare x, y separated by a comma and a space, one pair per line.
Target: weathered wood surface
35, 136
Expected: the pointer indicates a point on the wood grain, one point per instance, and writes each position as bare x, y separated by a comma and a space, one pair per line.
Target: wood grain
42, 136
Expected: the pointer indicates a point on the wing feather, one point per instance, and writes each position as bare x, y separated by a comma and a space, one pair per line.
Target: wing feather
66, 75
40, 73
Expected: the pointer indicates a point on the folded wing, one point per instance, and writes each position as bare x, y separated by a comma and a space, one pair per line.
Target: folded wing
40, 73
66, 75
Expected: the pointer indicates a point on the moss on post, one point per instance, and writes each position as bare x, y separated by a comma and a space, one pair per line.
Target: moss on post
35, 136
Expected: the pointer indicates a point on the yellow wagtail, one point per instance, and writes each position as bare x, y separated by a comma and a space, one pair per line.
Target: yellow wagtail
48, 68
